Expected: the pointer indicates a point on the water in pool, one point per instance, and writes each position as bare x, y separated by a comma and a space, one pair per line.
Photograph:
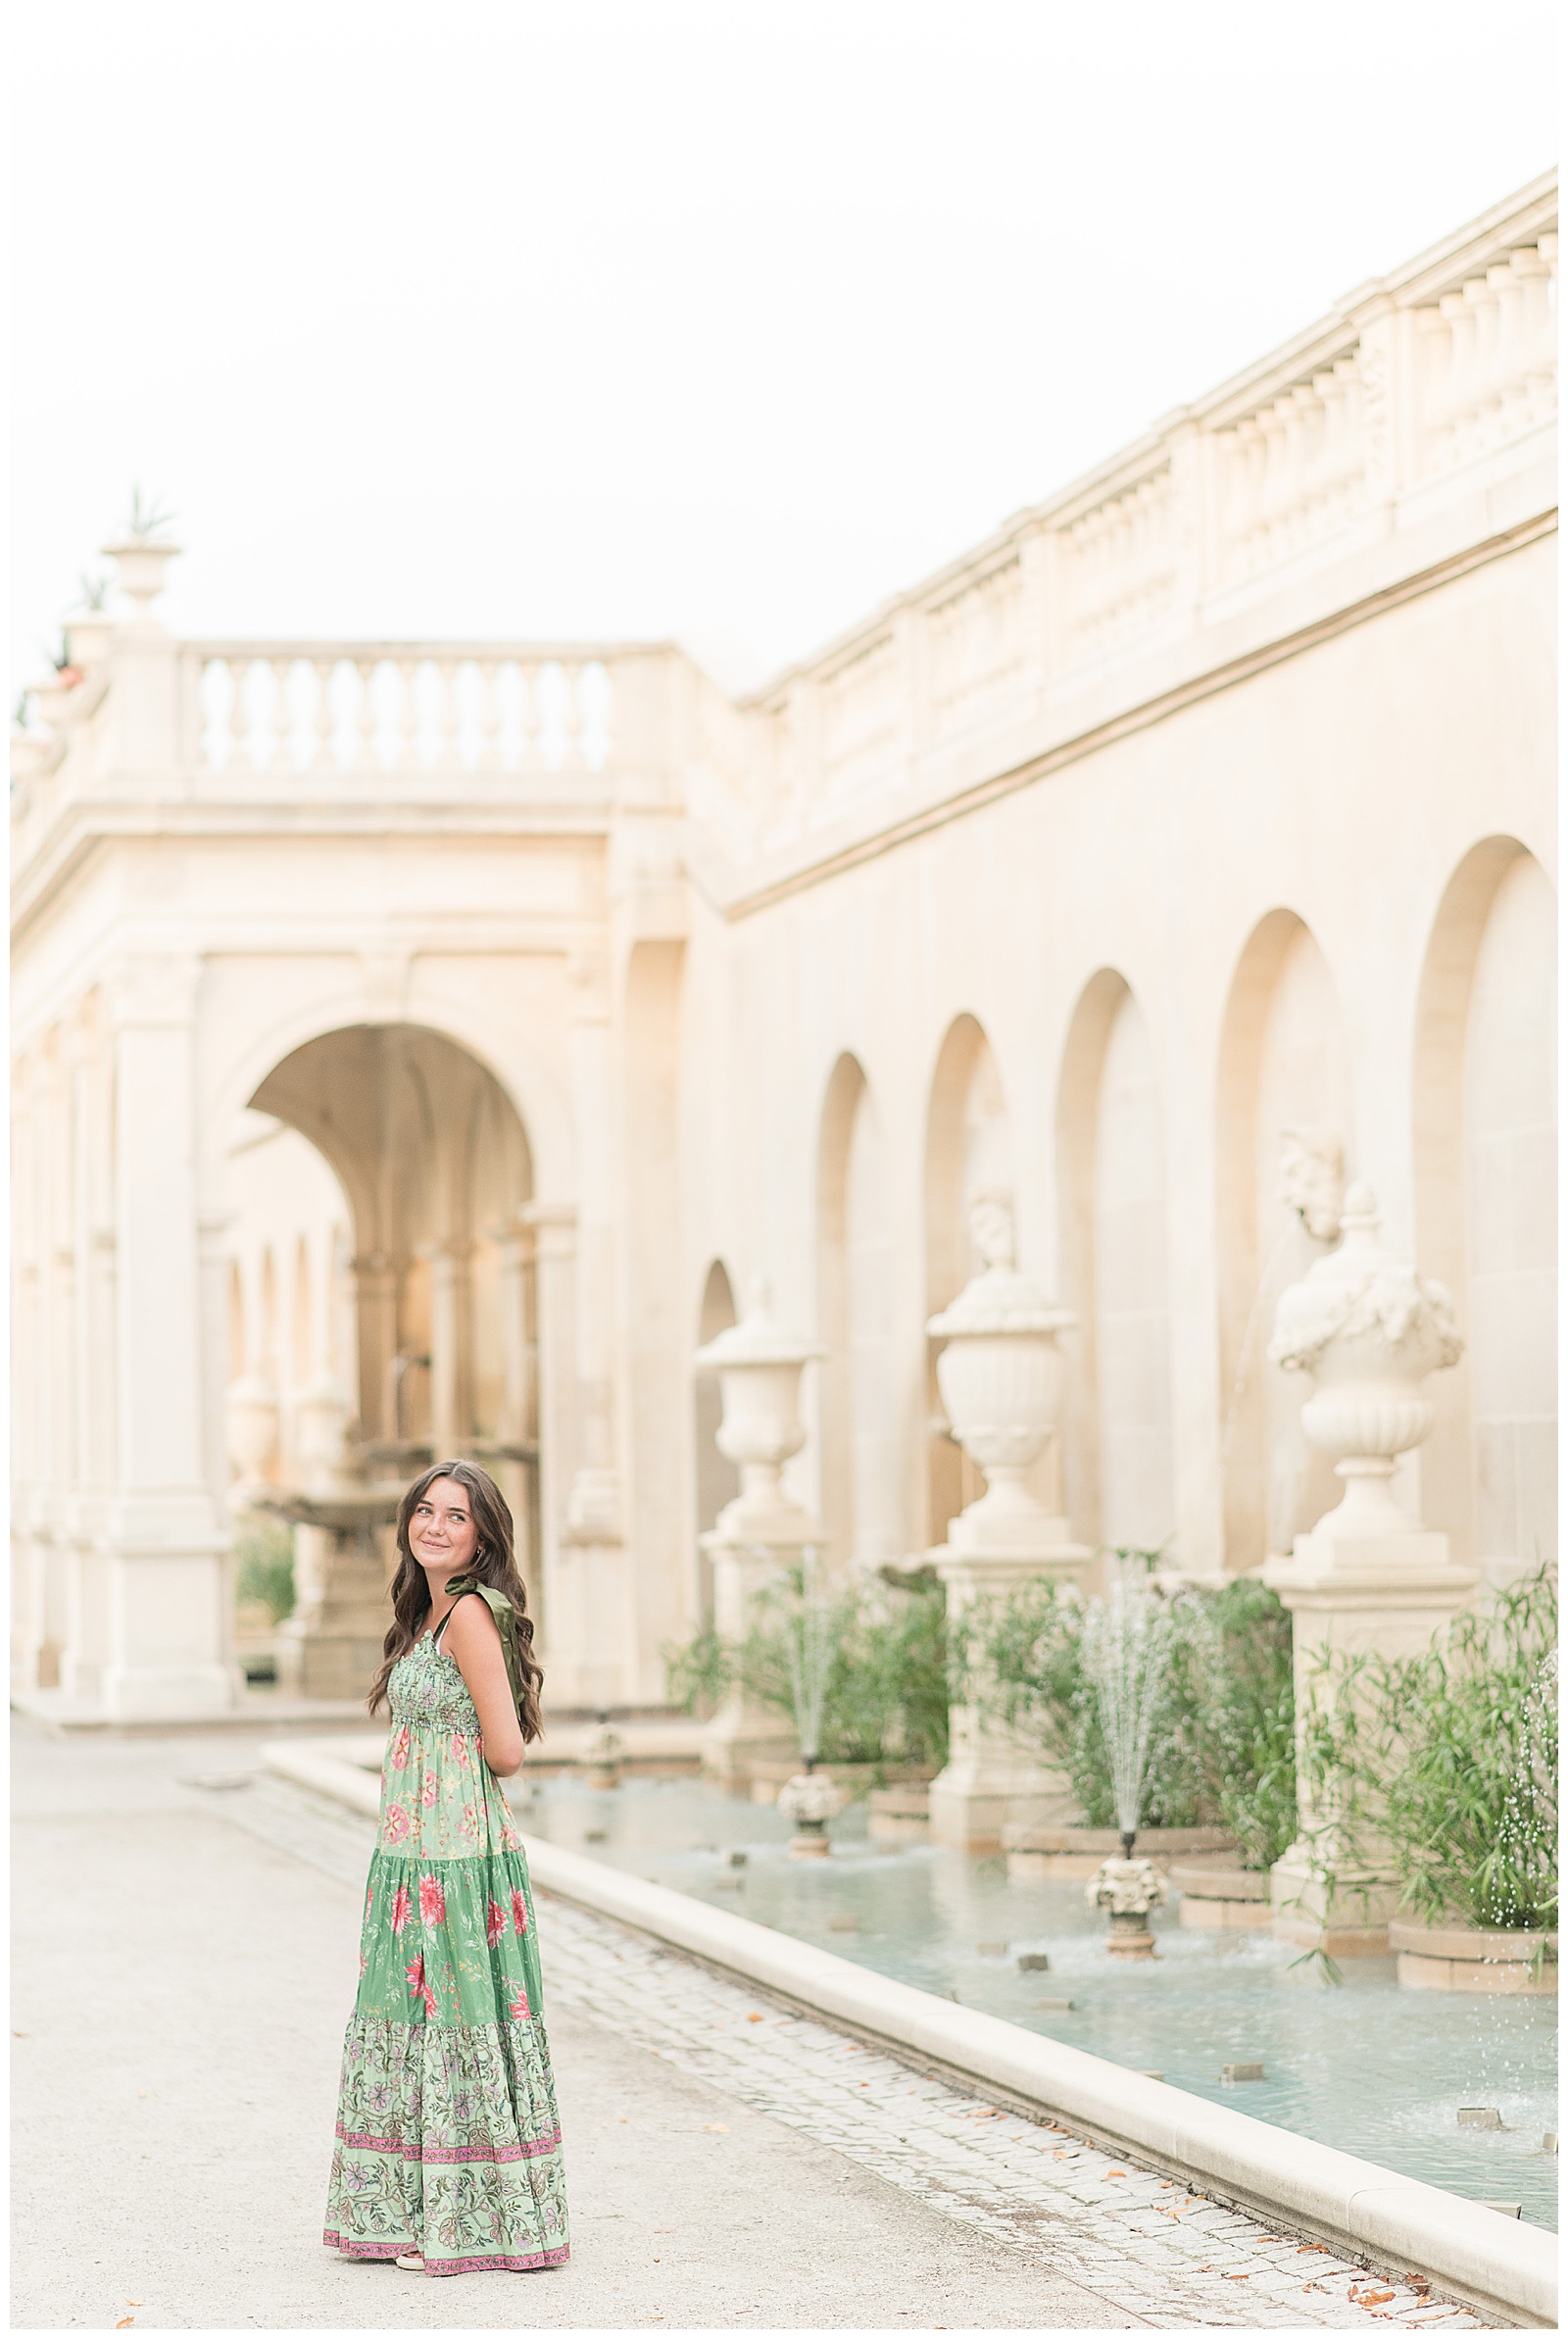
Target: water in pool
1368, 2067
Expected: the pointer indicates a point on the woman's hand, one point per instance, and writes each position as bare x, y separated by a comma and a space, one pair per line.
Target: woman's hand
473, 1639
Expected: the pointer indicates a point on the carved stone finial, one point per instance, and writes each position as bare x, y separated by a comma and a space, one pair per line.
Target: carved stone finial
1313, 1179
991, 1228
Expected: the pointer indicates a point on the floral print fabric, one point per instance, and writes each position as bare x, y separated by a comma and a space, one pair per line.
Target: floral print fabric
448, 2140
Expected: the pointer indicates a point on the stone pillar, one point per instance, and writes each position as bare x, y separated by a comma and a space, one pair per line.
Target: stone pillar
166, 1544
1001, 1375
553, 1227
376, 1315
1369, 1329
593, 1629
331, 1645
763, 1529
451, 1345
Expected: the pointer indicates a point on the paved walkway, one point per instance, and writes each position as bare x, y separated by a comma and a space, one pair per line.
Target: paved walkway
184, 1959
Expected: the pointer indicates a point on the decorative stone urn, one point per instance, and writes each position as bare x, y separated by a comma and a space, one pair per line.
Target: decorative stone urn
139, 567
252, 1436
1002, 1377
1127, 1889
1369, 1329
1002, 1380
811, 1799
331, 1644
759, 1363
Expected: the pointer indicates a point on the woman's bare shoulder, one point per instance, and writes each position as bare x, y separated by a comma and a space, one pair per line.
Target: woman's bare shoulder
472, 1626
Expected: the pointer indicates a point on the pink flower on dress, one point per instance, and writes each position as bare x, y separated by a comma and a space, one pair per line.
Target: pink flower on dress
519, 1913
519, 2004
429, 2003
395, 1828
459, 1749
432, 1901
402, 1909
510, 1838
495, 1923
369, 1899
468, 1824
400, 1749
414, 1975
428, 1793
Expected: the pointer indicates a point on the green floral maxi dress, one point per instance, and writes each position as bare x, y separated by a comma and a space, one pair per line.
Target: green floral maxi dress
447, 2135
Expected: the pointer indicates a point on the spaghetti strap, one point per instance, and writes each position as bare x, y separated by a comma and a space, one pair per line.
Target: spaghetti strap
441, 1627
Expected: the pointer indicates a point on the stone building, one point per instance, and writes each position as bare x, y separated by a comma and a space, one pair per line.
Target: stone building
437, 1039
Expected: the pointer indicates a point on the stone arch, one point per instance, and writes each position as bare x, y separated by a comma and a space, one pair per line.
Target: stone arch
858, 1452
1115, 1270
715, 1476
1284, 1119
968, 1151
436, 1166
1483, 1131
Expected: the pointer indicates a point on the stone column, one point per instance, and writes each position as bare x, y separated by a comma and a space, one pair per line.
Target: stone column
165, 1543
593, 1619
759, 1363
1369, 1329
331, 1645
1001, 1375
553, 1226
451, 1345
376, 1315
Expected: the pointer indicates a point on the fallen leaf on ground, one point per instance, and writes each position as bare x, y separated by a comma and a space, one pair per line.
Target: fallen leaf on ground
1111, 2172
19, 2034
141, 2091
754, 2017
1374, 2298
125, 2318
715, 2127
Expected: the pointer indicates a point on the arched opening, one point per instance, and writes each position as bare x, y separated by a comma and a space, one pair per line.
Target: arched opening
858, 1451
968, 1153
1284, 1146
1117, 1274
415, 1143
715, 1478
1485, 1154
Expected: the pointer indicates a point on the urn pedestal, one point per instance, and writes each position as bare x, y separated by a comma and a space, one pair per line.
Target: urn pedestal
1001, 1374
330, 1647
1369, 1329
759, 1363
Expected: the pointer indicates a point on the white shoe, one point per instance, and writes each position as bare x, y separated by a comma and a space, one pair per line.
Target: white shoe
411, 2261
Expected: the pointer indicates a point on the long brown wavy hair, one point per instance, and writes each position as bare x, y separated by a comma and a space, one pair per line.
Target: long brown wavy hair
494, 1563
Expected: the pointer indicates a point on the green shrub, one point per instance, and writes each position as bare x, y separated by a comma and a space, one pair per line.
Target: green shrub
1444, 1766
1222, 1751
885, 1693
264, 1570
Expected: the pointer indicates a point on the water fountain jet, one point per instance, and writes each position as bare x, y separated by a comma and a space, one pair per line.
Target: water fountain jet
1127, 1646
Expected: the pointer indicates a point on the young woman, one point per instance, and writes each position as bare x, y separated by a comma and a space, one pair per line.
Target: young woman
448, 2153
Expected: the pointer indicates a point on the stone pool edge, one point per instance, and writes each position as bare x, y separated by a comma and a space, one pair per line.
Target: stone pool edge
1492, 2263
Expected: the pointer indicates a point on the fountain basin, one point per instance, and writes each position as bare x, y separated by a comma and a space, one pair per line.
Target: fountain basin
1217, 1897
1484, 1959
1035, 1854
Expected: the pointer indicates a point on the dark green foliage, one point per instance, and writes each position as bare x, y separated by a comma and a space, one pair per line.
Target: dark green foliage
1244, 1714
885, 1698
1444, 1766
1224, 1742
264, 1556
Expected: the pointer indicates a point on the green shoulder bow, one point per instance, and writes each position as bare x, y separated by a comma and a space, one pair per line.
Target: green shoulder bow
505, 1617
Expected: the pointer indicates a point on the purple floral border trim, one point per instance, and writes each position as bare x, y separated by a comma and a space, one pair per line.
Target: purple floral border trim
499, 2264
443, 2155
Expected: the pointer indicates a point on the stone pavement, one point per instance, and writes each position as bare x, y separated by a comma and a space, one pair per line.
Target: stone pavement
183, 1961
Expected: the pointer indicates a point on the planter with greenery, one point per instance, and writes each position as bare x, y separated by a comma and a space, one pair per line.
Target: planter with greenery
1222, 1752
885, 1695
264, 1592
1440, 1771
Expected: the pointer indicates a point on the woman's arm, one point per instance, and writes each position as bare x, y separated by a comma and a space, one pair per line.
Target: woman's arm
474, 1639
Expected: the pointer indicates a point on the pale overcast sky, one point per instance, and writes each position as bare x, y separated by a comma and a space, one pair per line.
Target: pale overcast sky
722, 318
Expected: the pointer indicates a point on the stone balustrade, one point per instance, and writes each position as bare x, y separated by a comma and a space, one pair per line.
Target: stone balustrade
1312, 456
325, 707
1321, 447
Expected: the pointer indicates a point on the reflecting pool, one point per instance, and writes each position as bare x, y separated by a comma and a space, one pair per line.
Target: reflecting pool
1368, 2067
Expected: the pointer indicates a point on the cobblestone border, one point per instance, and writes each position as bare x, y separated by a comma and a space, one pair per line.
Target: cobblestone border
1496, 2264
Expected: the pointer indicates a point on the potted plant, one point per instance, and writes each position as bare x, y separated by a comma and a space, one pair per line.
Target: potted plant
1442, 1771
140, 557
